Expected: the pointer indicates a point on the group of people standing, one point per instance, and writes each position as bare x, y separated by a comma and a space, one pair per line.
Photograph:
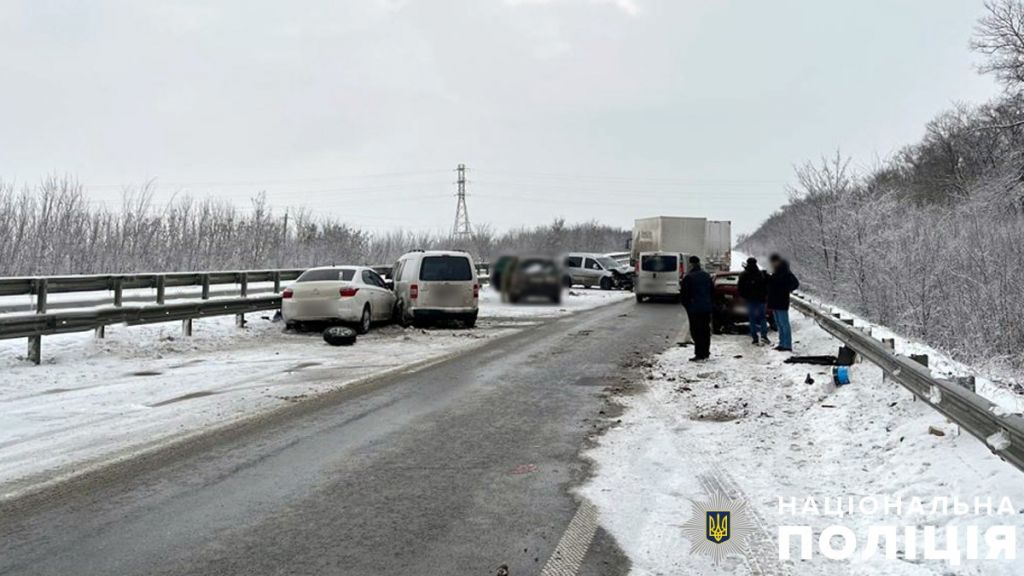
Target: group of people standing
762, 292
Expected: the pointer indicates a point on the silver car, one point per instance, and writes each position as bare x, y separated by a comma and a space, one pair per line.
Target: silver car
591, 269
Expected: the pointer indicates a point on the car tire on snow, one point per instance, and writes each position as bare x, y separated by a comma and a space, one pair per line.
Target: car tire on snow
364, 321
340, 336
606, 283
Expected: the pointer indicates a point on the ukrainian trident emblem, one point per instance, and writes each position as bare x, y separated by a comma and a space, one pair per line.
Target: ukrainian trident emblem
718, 526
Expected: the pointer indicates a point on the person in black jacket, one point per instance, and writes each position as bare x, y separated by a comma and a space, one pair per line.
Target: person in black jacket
753, 288
781, 284
697, 289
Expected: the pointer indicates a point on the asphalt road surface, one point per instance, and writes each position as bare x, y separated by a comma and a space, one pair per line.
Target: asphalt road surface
455, 469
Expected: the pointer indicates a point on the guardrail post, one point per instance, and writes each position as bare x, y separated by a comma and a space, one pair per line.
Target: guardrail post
118, 291
243, 281
186, 327
206, 286
161, 289
277, 282
35, 343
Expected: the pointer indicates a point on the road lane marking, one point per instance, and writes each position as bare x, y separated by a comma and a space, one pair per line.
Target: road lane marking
572, 548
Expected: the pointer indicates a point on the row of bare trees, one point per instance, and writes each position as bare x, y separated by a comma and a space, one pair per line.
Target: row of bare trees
52, 228
932, 242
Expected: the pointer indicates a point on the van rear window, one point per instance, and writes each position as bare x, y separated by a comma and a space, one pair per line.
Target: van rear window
326, 275
659, 263
445, 269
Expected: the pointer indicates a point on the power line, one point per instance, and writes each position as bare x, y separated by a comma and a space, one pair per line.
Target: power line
232, 183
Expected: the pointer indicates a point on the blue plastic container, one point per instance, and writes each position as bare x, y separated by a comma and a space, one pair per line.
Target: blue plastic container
841, 375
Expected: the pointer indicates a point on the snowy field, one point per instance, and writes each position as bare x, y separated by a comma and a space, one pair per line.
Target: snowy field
94, 400
748, 422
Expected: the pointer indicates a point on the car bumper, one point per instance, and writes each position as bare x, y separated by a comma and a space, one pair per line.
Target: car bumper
442, 313
656, 289
313, 311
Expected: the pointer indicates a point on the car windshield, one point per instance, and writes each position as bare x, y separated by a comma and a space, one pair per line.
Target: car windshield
326, 275
658, 263
537, 266
607, 262
446, 268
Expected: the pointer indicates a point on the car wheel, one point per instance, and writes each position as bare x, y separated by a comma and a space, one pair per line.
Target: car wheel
339, 336
606, 283
556, 299
567, 281
365, 320
398, 314
470, 321
639, 299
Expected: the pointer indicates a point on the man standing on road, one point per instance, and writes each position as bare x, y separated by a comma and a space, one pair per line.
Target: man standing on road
781, 284
696, 289
753, 288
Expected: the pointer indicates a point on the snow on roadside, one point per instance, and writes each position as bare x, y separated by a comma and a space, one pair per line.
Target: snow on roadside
574, 300
747, 415
1002, 389
95, 399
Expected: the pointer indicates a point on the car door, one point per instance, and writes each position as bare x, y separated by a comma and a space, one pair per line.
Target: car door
592, 271
375, 294
382, 311
574, 268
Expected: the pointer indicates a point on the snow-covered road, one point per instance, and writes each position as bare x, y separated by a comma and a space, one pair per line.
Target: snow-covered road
95, 400
776, 430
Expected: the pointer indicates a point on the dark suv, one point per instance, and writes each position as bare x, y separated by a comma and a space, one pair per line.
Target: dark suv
524, 277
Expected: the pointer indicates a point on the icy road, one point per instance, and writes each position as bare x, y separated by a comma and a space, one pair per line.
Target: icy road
459, 468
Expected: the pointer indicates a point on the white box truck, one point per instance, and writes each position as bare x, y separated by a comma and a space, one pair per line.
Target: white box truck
711, 240
669, 234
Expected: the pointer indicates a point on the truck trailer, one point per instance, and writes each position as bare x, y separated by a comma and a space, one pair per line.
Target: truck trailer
711, 240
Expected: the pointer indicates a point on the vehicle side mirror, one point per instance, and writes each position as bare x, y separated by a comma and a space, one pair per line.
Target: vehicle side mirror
390, 285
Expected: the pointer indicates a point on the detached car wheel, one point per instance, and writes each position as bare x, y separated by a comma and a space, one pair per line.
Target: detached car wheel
340, 336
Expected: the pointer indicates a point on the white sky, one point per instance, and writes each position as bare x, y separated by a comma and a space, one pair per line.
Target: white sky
587, 109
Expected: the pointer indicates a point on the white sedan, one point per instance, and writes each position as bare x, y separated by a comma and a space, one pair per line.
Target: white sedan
350, 294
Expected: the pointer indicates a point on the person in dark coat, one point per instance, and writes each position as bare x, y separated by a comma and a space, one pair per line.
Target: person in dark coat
697, 289
753, 288
781, 284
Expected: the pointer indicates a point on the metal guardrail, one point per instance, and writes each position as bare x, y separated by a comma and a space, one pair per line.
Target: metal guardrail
1002, 433
100, 314
35, 326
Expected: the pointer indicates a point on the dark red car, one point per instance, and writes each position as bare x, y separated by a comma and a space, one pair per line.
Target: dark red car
729, 309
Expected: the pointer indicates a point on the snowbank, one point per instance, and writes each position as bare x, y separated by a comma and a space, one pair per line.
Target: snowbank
748, 421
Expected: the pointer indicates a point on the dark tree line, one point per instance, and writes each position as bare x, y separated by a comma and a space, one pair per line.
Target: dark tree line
51, 228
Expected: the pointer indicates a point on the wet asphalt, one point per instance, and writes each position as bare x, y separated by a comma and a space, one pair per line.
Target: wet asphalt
455, 469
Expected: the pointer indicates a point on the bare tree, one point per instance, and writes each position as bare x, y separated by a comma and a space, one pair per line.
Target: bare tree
999, 35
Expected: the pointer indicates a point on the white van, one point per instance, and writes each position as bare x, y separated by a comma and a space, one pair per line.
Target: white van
658, 274
436, 285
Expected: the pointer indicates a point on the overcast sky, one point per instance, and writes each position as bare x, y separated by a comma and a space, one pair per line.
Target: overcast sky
587, 109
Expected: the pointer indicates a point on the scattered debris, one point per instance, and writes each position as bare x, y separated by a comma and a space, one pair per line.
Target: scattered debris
808, 380
936, 431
